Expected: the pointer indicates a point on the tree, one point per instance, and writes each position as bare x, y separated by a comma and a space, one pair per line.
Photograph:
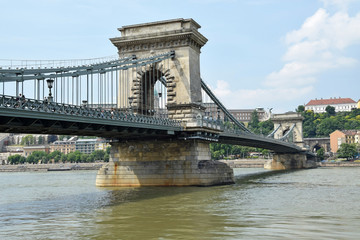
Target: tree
74, 157
38, 156
320, 153
27, 140
347, 150
254, 122
327, 126
55, 155
16, 159
300, 109
41, 140
98, 155
266, 127
330, 110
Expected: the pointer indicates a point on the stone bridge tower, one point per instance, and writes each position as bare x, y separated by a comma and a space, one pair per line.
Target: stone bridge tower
287, 122
284, 123
182, 73
172, 161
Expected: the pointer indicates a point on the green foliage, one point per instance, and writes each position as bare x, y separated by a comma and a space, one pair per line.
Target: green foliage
320, 153
322, 124
16, 159
41, 140
330, 110
254, 122
56, 156
98, 155
28, 140
222, 151
258, 127
38, 156
300, 109
266, 127
347, 150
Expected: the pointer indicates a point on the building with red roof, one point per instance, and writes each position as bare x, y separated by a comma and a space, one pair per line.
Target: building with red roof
340, 104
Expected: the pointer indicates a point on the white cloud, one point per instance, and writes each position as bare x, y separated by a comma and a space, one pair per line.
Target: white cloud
316, 48
252, 98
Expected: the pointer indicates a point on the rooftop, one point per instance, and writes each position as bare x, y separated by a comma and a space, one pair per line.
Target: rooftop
330, 101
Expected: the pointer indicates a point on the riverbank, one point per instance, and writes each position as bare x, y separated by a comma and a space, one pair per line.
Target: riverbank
259, 163
236, 163
50, 167
245, 163
339, 164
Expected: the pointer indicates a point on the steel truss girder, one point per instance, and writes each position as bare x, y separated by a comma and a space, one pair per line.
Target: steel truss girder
22, 74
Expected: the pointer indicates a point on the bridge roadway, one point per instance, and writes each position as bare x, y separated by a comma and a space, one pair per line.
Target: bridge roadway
39, 117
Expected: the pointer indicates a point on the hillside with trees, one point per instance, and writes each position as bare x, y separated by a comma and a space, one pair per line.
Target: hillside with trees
322, 124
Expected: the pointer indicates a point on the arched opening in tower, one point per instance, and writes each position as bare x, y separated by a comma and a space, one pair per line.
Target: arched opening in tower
153, 93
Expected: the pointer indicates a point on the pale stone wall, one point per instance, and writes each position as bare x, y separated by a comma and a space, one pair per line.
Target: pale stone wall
286, 121
160, 150
163, 163
284, 161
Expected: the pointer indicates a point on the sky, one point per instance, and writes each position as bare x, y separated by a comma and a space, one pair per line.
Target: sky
261, 53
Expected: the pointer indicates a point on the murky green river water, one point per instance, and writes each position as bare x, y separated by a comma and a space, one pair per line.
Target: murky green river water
320, 203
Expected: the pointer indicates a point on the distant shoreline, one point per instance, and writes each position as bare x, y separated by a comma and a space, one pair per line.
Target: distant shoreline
259, 163
340, 164
237, 163
50, 167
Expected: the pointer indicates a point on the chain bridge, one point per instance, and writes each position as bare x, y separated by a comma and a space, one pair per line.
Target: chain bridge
149, 101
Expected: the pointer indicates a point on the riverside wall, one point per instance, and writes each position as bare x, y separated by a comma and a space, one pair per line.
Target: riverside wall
340, 164
50, 167
245, 163
236, 163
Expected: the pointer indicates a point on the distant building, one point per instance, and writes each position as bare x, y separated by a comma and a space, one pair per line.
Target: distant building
30, 149
358, 104
88, 146
65, 146
343, 136
340, 104
5, 155
242, 115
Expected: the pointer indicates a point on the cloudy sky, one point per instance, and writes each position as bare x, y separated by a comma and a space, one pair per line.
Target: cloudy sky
261, 53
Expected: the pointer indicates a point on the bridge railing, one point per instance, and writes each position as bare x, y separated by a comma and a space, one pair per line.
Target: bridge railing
26, 104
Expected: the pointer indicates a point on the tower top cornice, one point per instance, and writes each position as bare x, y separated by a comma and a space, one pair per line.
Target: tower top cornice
167, 32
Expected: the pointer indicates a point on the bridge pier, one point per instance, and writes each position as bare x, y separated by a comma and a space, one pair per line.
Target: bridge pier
162, 163
285, 161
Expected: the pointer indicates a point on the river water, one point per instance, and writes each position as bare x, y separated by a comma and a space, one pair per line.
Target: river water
321, 203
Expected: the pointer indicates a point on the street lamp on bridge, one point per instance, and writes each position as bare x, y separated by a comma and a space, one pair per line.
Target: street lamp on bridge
50, 85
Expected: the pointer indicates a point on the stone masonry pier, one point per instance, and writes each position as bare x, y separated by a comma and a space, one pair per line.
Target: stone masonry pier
163, 163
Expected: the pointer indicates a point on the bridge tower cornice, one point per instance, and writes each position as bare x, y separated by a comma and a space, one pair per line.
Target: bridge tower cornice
175, 33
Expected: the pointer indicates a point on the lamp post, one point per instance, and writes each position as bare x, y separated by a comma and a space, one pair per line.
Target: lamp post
50, 85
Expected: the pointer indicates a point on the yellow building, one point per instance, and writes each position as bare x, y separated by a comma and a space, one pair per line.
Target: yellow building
65, 146
358, 104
